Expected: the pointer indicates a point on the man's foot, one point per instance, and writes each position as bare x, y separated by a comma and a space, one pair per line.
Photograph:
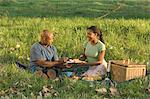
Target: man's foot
39, 73
22, 66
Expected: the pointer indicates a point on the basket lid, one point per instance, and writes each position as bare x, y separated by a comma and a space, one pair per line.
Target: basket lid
126, 63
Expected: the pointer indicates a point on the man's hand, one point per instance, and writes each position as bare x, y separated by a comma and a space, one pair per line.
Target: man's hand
68, 65
64, 59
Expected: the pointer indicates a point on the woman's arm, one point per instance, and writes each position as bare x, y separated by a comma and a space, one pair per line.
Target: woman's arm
100, 59
101, 56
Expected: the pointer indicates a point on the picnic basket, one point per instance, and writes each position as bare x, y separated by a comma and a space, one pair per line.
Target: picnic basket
123, 70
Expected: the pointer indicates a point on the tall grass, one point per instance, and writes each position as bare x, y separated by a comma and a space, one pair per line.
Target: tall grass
80, 8
124, 38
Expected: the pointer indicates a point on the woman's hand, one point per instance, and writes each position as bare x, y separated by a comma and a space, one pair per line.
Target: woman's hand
79, 61
82, 57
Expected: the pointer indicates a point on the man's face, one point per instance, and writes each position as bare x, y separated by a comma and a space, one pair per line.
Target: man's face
49, 39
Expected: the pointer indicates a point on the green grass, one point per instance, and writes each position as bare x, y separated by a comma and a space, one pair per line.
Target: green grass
29, 86
126, 33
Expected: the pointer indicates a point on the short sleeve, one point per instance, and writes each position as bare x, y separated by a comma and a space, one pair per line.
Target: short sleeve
85, 44
101, 47
35, 53
55, 54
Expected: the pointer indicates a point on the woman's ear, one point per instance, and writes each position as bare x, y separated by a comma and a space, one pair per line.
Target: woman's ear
96, 34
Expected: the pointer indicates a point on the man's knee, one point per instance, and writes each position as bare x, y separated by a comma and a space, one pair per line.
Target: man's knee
51, 73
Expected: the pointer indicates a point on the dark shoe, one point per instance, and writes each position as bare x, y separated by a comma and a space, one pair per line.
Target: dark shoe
22, 66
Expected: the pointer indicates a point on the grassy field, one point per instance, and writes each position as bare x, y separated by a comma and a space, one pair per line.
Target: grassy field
79, 8
125, 25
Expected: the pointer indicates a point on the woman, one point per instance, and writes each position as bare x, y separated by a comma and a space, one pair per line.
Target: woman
94, 51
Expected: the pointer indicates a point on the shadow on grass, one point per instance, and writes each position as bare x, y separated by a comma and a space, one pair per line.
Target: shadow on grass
8, 58
11, 59
76, 8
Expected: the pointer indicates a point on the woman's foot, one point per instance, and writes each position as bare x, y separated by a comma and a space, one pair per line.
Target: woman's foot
92, 78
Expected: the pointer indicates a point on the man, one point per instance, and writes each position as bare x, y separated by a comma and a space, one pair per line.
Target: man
43, 56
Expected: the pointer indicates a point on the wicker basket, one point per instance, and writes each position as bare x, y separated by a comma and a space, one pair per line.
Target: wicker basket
122, 70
